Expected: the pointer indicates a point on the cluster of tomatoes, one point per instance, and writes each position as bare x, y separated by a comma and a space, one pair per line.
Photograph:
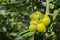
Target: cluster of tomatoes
38, 22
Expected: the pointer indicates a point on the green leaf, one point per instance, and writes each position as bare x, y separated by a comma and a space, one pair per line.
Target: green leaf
23, 32
57, 2
13, 34
51, 6
55, 13
25, 36
51, 27
4, 29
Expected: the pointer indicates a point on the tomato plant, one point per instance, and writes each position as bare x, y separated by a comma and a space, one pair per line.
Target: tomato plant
29, 19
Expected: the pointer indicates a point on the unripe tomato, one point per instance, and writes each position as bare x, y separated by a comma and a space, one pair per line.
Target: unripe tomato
38, 12
32, 28
35, 15
40, 27
33, 22
46, 20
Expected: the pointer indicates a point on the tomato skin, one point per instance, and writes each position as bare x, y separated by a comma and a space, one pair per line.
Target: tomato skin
32, 28
35, 15
33, 22
46, 20
40, 27
38, 12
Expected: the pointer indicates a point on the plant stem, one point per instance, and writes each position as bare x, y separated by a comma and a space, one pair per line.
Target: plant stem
47, 7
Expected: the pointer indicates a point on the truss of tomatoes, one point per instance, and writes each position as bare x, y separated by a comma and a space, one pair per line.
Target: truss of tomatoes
38, 22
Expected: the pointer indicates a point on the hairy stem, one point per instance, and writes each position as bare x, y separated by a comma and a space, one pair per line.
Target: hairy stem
47, 7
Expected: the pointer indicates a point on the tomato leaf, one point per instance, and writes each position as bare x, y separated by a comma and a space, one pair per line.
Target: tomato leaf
25, 36
55, 13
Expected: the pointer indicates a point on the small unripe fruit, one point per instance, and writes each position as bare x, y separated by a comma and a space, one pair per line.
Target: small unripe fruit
32, 28
41, 27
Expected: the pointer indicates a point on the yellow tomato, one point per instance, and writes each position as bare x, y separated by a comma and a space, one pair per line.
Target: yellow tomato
35, 15
38, 12
33, 22
46, 20
32, 28
40, 27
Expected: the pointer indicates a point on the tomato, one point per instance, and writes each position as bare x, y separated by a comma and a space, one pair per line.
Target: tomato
46, 20
40, 27
40, 20
35, 15
38, 12
34, 22
32, 28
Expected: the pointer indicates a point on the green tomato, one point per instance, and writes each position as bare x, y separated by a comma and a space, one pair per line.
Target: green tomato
32, 28
46, 20
40, 27
35, 15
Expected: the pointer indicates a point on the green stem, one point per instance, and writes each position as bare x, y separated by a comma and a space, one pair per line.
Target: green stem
47, 7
